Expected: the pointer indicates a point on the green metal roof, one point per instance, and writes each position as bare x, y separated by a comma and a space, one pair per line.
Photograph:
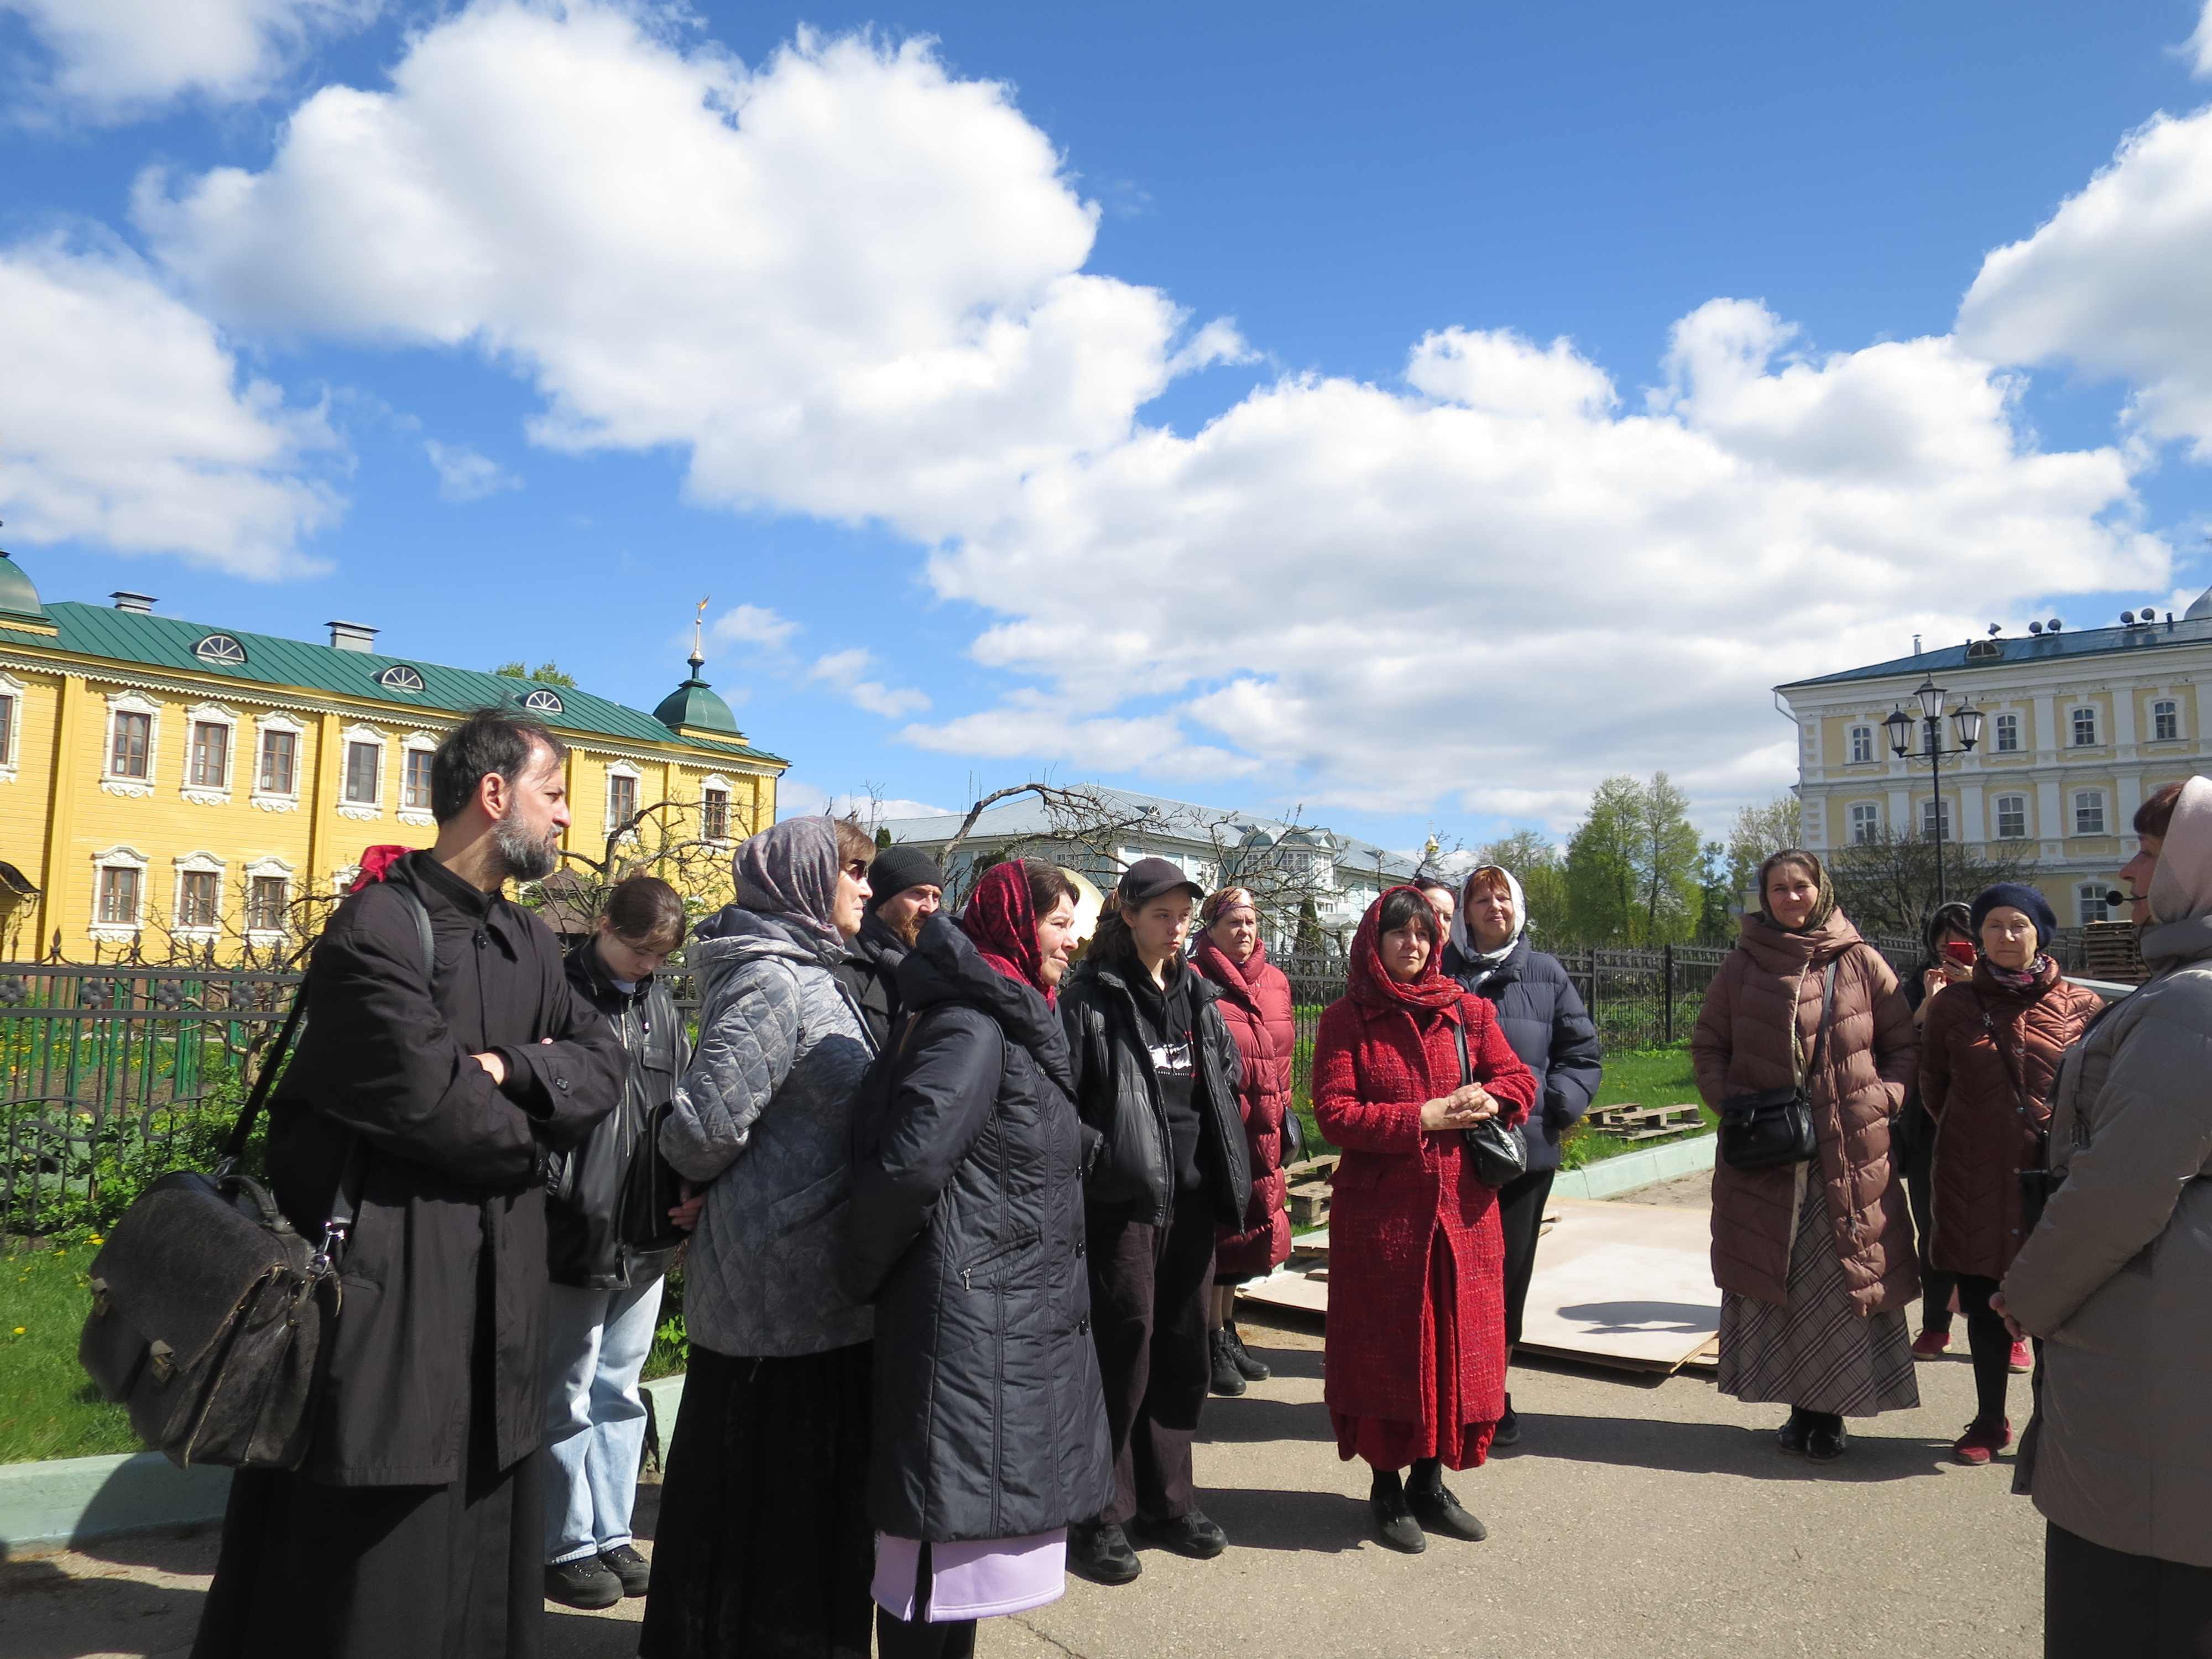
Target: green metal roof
18, 597
94, 631
694, 703
2015, 651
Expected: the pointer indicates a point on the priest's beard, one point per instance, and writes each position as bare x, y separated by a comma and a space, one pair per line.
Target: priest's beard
526, 858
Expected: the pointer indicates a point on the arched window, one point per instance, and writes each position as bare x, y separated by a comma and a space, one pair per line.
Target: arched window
400, 677
2008, 734
542, 702
2165, 720
220, 651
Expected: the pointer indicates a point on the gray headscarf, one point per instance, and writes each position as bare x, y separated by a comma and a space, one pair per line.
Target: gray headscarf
790, 869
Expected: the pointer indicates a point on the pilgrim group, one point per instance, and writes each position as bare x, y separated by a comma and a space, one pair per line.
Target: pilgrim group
966, 1201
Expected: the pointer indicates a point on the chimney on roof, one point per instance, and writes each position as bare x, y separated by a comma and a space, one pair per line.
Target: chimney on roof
138, 604
1916, 644
352, 637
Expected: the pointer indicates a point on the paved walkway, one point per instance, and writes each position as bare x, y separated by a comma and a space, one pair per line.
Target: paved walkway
1635, 1521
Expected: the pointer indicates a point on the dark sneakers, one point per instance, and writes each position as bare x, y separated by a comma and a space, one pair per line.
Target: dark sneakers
1099, 1551
1190, 1534
583, 1582
635, 1572
1222, 1353
1254, 1370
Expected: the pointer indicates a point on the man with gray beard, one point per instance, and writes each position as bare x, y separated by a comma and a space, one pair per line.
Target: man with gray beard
431, 1096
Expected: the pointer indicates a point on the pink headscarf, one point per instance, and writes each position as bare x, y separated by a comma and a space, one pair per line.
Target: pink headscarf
1001, 923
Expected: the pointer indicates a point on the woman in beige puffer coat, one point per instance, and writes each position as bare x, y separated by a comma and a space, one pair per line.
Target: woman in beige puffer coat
2117, 1279
1816, 1261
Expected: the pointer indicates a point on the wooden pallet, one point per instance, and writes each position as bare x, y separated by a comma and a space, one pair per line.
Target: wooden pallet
1307, 1202
2111, 951
1630, 1121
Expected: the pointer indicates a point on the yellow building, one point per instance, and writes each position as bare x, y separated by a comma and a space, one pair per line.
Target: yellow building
168, 784
2078, 728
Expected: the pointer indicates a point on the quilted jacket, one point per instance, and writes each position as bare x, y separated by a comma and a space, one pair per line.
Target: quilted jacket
764, 1114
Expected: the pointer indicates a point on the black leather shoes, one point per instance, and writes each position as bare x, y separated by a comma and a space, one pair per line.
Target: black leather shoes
1826, 1441
1189, 1533
1221, 1352
1508, 1432
1791, 1436
1254, 1370
1439, 1512
1393, 1519
635, 1572
1099, 1551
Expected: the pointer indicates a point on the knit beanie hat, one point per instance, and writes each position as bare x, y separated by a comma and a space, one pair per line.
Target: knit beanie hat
897, 869
2022, 898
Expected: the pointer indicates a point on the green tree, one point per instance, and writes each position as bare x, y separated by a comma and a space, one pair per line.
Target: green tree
1603, 889
1717, 912
546, 673
1668, 873
1536, 865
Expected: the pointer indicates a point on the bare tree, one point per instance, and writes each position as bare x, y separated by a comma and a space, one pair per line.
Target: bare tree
1887, 885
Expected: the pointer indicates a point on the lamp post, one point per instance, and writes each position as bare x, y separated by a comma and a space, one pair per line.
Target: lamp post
1965, 723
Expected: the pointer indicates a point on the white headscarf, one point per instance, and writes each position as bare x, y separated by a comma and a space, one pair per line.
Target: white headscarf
1463, 936
2181, 886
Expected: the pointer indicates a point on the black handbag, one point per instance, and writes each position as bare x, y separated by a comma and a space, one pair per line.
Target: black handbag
1499, 1153
1772, 1128
211, 1317
1293, 1139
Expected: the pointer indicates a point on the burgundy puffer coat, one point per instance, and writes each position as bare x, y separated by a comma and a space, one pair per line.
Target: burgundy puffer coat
1989, 1094
1742, 1045
1255, 1002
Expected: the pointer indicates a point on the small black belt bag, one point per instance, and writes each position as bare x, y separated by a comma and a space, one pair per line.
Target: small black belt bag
1499, 1153
1772, 1128
211, 1317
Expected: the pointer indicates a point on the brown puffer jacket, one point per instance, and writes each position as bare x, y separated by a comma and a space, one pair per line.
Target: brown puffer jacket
1742, 1045
1989, 1094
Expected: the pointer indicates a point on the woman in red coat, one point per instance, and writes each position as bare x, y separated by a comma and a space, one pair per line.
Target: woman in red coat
1255, 1002
1416, 1359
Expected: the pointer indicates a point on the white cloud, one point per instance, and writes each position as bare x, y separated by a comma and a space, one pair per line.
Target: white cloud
848, 670
2115, 283
2198, 48
845, 281
465, 476
796, 798
124, 421
112, 58
753, 624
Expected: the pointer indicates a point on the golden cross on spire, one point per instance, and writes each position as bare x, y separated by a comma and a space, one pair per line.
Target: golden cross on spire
698, 631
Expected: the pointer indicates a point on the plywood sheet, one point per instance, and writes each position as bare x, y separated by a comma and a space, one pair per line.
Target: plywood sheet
1616, 1284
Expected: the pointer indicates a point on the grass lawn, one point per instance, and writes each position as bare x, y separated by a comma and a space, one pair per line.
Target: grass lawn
1642, 1077
48, 1407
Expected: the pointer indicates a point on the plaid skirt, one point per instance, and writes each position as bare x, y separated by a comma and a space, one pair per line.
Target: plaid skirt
1820, 1354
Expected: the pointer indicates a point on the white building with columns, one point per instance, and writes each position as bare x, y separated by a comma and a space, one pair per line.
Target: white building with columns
2078, 728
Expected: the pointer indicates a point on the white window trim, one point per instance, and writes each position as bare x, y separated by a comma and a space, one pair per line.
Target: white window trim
2072, 738
1996, 817
1851, 822
2074, 799
1997, 727
117, 858
15, 691
277, 800
343, 878
1942, 805
1851, 746
267, 866
2174, 704
2087, 893
201, 863
621, 769
360, 810
209, 713
130, 702
415, 743
729, 810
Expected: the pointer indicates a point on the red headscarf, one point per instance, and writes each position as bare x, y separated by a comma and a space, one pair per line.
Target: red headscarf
1001, 923
1370, 982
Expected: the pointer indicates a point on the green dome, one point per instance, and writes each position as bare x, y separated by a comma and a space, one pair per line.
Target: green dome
18, 597
694, 704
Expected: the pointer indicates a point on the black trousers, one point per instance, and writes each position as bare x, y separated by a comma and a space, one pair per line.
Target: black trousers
1936, 1285
1989, 1342
1149, 1290
2106, 1604
1521, 1214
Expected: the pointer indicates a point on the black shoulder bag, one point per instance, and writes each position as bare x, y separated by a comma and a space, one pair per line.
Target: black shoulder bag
1499, 1153
1772, 1128
210, 1314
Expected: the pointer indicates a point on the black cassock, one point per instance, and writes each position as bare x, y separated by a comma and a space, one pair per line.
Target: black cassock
415, 1525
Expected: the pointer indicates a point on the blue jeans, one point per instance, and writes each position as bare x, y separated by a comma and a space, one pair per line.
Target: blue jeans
596, 1345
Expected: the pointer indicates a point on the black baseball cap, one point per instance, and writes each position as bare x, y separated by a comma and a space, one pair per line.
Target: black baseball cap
1148, 878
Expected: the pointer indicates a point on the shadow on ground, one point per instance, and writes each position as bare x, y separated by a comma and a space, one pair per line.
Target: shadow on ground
1303, 1522
1719, 1449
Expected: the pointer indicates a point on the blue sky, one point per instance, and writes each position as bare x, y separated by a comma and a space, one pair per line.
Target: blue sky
1290, 409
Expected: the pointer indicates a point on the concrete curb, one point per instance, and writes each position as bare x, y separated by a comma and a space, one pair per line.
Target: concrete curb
1615, 1175
76, 1500
66, 1501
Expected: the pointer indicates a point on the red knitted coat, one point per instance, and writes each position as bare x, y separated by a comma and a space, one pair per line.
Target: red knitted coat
1401, 1196
1255, 1002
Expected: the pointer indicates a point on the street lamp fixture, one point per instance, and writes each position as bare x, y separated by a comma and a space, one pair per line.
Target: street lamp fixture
1966, 728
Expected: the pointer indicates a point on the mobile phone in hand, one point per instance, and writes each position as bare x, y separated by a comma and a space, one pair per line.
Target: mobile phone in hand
1960, 952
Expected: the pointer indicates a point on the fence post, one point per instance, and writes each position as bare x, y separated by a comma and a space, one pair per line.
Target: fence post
1667, 996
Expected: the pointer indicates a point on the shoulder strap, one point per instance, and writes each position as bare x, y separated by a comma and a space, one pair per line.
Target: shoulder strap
2015, 1074
1466, 1065
1828, 1014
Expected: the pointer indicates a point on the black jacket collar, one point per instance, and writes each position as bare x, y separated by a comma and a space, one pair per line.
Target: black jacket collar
944, 966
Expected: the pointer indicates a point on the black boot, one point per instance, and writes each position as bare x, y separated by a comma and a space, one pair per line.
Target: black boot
1825, 1439
1791, 1436
1508, 1432
1099, 1551
1434, 1506
1253, 1371
1393, 1517
1227, 1379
